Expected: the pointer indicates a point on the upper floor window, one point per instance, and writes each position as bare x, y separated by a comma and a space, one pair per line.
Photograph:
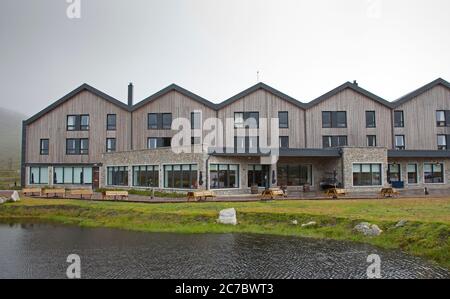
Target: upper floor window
283, 118
78, 122
399, 120
248, 144
442, 142
246, 119
158, 142
167, 121
153, 121
196, 120
44, 147
111, 122
400, 142
77, 146
196, 140
442, 118
334, 141
370, 119
110, 145
334, 119
159, 121
284, 142
371, 140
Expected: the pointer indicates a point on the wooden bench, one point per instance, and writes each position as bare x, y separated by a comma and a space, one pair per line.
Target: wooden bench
55, 192
388, 192
199, 195
335, 193
32, 191
272, 193
81, 193
114, 194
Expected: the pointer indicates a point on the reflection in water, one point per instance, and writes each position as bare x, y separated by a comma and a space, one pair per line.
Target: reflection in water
40, 251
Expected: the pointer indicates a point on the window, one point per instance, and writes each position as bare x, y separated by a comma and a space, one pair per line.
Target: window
158, 142
38, 175
335, 119
246, 119
78, 122
412, 174
167, 121
77, 146
283, 118
294, 174
370, 119
441, 118
196, 120
433, 173
159, 121
366, 175
224, 176
117, 176
110, 145
196, 140
258, 175
400, 142
73, 175
153, 121
334, 141
181, 176
394, 173
152, 143
44, 147
111, 122
284, 142
146, 176
371, 140
248, 144
442, 142
399, 120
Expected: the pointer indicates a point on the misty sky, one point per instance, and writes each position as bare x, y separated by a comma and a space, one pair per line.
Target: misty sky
215, 47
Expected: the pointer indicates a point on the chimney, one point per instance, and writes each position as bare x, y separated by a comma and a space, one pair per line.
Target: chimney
130, 94
355, 82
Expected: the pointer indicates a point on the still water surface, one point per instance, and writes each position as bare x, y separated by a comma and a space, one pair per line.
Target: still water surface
41, 250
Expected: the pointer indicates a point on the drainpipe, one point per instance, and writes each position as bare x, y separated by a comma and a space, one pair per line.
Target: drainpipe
23, 154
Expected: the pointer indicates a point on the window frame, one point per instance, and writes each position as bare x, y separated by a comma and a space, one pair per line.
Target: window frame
41, 176
227, 184
442, 164
192, 180
286, 138
164, 124
369, 125
445, 146
442, 123
400, 124
372, 173
111, 149
336, 138
44, 151
416, 166
374, 138
109, 126
153, 169
402, 147
283, 125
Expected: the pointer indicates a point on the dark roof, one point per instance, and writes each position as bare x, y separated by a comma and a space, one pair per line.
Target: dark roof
263, 87
353, 87
307, 152
174, 87
418, 154
84, 87
420, 91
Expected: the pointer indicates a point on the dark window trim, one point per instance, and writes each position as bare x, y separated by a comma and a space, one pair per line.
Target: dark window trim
404, 142
77, 151
164, 127
112, 149
148, 168
227, 175
172, 183
433, 165
149, 127
334, 120
193, 120
284, 126
160, 142
369, 125
416, 173
73, 173
111, 127
374, 139
116, 175
288, 145
338, 139
246, 116
42, 150
402, 122
78, 126
371, 173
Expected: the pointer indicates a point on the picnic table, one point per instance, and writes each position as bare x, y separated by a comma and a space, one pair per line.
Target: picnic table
272, 193
389, 192
335, 192
200, 195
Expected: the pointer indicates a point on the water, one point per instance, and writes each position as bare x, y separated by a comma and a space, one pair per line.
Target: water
41, 250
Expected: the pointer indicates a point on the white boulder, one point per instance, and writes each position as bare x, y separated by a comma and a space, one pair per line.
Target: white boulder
294, 222
15, 197
227, 216
368, 229
309, 224
2, 200
401, 223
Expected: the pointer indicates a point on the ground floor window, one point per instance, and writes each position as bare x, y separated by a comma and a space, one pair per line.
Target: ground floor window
294, 174
394, 173
181, 176
224, 176
412, 174
117, 176
38, 175
433, 173
258, 175
366, 174
72, 175
146, 176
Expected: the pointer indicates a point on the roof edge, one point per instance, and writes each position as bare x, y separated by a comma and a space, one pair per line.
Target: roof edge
408, 97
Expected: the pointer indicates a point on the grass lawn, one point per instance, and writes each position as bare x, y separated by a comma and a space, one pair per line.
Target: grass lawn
426, 233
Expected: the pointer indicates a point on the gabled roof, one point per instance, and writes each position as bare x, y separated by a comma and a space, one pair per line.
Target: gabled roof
420, 91
353, 87
84, 87
256, 88
174, 87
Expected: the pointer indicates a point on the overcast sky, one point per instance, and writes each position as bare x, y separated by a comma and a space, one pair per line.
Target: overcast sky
214, 48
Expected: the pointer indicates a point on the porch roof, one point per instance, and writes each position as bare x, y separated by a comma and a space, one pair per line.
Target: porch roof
300, 152
418, 154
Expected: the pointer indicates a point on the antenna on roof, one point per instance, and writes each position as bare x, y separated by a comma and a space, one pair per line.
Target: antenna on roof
257, 77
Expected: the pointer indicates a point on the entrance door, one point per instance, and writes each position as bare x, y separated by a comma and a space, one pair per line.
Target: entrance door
259, 175
95, 178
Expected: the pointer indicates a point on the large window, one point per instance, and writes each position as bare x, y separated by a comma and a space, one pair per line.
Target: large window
283, 118
442, 142
73, 175
224, 176
181, 176
334, 141
400, 142
399, 120
146, 176
158, 142
248, 144
294, 174
371, 140
159, 121
38, 175
433, 173
334, 119
258, 175
366, 175
78, 122
44, 145
117, 176
246, 119
370, 119
394, 173
167, 121
153, 121
111, 122
443, 118
412, 174
77, 146
110, 145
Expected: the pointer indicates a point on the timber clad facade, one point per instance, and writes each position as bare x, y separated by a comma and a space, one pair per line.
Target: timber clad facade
348, 136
